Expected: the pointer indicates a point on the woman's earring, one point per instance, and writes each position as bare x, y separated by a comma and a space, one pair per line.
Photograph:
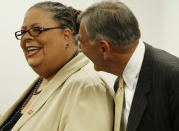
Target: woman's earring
67, 44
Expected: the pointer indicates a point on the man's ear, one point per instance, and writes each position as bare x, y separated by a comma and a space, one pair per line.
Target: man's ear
105, 49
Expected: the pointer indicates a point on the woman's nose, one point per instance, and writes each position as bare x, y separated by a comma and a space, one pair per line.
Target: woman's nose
27, 36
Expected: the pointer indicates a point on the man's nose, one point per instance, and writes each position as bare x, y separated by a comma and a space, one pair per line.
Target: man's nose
79, 45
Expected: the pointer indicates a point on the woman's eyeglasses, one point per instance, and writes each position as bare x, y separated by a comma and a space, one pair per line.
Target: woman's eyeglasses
34, 31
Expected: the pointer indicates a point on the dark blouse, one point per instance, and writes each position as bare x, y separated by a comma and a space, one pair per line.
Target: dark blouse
11, 121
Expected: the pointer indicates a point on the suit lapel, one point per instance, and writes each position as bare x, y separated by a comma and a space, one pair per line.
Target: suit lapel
51, 87
139, 102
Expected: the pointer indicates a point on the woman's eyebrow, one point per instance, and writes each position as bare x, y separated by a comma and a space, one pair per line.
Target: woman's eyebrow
25, 27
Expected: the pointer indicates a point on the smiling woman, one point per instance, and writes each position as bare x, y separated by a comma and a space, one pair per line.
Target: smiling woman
43, 47
68, 95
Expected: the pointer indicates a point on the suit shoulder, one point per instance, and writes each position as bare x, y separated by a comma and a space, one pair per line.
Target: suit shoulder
161, 59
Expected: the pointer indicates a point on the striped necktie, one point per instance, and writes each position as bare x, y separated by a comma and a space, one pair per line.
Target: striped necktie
119, 98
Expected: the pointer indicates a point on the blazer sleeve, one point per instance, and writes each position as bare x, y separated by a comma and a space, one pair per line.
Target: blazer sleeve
88, 108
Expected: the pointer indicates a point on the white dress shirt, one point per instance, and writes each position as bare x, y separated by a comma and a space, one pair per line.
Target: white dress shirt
130, 76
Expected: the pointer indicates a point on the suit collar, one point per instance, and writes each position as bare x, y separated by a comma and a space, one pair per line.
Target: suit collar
143, 88
62, 75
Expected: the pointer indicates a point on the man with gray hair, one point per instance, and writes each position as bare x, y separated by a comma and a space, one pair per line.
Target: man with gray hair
147, 92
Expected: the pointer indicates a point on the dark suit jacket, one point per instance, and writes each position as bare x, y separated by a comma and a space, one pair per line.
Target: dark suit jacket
155, 105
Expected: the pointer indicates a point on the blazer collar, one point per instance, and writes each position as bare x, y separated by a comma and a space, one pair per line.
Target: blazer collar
71, 67
143, 88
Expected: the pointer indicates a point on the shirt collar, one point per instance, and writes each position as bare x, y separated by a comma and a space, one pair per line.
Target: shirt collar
132, 69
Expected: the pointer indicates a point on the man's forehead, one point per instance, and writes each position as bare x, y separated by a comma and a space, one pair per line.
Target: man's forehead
82, 31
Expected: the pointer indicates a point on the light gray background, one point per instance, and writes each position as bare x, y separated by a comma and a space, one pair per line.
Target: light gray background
158, 21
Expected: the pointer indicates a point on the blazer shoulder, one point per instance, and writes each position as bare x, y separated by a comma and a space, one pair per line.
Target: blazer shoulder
87, 77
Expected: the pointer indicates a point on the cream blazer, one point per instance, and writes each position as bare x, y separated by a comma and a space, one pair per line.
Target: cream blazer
75, 99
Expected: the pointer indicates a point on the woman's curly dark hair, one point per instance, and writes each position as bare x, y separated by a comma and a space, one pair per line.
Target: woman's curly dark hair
66, 16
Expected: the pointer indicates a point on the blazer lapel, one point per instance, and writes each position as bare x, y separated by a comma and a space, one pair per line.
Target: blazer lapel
13, 107
143, 88
50, 88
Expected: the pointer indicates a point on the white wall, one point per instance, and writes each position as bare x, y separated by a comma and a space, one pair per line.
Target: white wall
158, 20
171, 26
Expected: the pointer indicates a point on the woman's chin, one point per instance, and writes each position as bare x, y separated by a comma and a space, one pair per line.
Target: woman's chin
33, 63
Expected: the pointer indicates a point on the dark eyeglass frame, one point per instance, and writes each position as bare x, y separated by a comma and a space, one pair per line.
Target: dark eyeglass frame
40, 31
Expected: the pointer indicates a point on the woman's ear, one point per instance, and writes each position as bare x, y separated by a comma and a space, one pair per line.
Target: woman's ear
105, 49
67, 35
